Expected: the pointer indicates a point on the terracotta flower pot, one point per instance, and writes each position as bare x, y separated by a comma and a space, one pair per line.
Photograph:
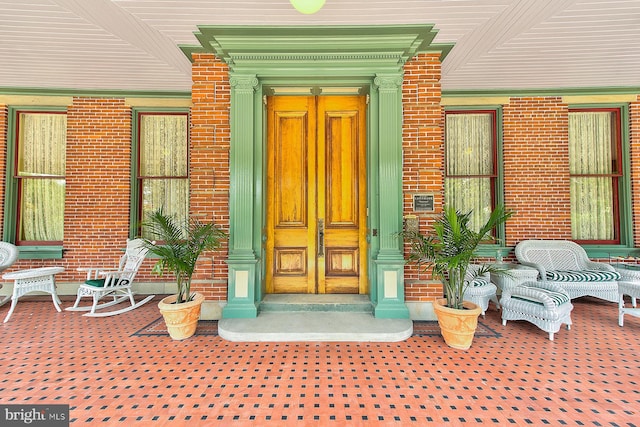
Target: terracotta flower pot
457, 326
181, 319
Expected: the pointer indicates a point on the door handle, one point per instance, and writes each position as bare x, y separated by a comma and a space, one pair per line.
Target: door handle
320, 237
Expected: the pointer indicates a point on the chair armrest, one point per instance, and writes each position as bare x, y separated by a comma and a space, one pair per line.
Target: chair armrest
114, 273
542, 272
92, 272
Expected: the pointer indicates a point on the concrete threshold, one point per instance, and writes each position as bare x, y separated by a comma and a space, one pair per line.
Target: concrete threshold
303, 326
316, 302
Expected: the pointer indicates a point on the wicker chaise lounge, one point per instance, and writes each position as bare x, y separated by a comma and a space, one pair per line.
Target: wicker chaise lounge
567, 265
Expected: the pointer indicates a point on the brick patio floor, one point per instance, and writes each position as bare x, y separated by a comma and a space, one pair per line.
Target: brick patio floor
111, 374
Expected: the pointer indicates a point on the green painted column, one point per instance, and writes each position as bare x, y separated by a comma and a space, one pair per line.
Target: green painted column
242, 261
390, 261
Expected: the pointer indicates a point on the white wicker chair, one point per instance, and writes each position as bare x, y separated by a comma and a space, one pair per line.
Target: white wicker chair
8, 255
112, 283
480, 291
546, 305
566, 264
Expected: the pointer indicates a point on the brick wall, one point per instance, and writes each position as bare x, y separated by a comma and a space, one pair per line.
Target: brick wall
209, 164
423, 154
97, 187
536, 159
98, 180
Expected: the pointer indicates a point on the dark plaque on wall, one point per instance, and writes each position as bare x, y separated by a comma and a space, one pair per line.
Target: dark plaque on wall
423, 202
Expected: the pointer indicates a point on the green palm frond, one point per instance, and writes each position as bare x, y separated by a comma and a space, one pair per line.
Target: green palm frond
450, 248
179, 245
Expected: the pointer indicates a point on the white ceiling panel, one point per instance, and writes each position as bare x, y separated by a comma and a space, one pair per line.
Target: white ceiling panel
499, 44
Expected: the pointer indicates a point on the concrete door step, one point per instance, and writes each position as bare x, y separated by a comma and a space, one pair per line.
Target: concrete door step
304, 317
311, 302
315, 326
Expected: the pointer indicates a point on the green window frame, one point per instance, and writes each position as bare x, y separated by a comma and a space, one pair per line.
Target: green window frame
160, 176
35, 181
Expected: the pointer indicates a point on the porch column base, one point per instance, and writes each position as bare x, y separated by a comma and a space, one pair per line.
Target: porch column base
241, 295
390, 290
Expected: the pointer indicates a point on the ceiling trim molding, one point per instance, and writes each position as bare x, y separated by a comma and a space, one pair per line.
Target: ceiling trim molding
94, 93
513, 93
346, 48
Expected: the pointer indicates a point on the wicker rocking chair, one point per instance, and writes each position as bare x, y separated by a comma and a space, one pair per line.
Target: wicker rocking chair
115, 283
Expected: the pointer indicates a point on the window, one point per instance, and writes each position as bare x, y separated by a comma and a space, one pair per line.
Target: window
470, 163
595, 168
162, 180
39, 175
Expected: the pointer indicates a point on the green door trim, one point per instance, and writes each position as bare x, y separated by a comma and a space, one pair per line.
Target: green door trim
322, 60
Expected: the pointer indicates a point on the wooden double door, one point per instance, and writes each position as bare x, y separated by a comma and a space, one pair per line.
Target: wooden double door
316, 194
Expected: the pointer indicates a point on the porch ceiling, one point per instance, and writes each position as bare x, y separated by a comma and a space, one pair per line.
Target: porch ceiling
499, 44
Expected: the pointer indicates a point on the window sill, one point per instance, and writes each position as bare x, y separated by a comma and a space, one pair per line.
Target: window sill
40, 252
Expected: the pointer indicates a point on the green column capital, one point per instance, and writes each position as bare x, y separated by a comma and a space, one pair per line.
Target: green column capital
243, 82
388, 82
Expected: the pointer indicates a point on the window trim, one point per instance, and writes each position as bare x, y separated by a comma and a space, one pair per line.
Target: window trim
136, 196
498, 248
10, 223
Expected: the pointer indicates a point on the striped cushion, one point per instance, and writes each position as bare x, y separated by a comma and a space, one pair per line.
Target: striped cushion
478, 282
582, 276
99, 283
558, 298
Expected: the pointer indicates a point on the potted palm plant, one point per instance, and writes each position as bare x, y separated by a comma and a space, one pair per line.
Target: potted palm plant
178, 246
448, 251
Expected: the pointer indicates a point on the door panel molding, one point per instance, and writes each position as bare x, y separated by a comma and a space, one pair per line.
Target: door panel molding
292, 210
343, 261
290, 262
342, 170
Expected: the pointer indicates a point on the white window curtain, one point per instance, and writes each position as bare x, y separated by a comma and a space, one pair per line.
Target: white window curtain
591, 155
163, 164
41, 170
469, 165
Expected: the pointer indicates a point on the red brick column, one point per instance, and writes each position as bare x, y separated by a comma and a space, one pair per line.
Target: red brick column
209, 164
423, 148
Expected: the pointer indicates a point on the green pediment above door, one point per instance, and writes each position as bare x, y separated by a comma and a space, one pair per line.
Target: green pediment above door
321, 49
